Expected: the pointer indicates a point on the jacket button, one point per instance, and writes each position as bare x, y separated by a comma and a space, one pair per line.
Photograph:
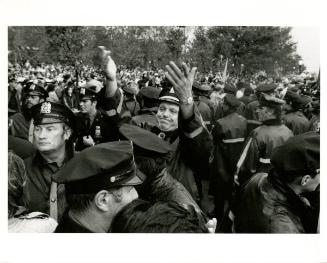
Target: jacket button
53, 199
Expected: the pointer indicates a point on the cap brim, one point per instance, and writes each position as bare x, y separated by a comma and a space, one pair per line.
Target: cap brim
137, 179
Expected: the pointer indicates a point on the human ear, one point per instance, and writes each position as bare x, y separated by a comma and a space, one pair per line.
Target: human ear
102, 200
67, 133
305, 179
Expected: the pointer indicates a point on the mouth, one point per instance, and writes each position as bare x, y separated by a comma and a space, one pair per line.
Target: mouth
164, 121
43, 143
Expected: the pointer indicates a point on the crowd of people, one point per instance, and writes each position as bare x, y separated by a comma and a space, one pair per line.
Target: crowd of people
120, 150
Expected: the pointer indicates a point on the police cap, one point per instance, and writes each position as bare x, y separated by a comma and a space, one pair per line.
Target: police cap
104, 166
130, 88
50, 112
266, 87
230, 89
231, 100
201, 87
169, 97
299, 155
145, 140
150, 93
88, 93
270, 101
35, 89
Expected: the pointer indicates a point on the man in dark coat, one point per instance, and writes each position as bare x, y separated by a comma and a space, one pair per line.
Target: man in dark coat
265, 138
229, 135
274, 203
92, 125
53, 139
251, 107
295, 120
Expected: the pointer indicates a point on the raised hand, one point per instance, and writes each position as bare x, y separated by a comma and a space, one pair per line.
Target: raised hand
108, 65
182, 80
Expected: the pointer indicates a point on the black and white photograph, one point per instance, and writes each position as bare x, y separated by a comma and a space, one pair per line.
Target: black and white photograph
172, 129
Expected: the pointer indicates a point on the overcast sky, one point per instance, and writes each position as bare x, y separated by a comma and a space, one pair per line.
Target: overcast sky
308, 46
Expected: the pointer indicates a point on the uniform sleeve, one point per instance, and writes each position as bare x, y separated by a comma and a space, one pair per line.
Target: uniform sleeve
114, 107
283, 223
195, 141
166, 188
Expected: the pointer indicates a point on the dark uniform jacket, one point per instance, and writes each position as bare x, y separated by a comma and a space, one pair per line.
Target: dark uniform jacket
265, 139
68, 225
206, 113
166, 188
229, 135
296, 122
277, 208
38, 184
132, 105
251, 115
102, 124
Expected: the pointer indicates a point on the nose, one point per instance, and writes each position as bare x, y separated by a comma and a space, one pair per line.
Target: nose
42, 133
165, 113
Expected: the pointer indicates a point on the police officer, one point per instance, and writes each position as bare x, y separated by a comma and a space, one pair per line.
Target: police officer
295, 119
130, 90
148, 100
53, 139
251, 107
274, 202
265, 138
92, 125
33, 93
98, 187
202, 101
229, 135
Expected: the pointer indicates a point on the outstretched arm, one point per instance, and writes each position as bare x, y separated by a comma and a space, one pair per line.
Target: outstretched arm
110, 70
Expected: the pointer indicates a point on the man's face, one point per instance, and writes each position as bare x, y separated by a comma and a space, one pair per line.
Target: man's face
87, 106
264, 113
31, 100
167, 116
49, 137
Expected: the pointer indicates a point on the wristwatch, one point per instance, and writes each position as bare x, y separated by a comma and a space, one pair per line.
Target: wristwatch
188, 101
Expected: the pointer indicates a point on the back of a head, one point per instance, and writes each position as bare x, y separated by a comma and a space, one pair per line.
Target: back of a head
142, 216
300, 155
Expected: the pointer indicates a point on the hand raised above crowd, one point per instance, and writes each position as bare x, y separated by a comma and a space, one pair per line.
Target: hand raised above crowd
182, 81
107, 63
